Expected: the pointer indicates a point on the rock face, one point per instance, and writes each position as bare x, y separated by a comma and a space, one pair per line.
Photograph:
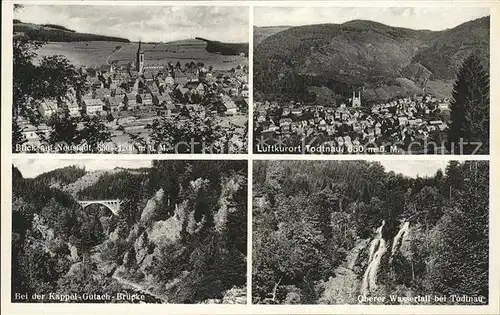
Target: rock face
235, 295
341, 289
149, 237
40, 226
152, 236
73, 252
226, 207
165, 232
352, 257
151, 206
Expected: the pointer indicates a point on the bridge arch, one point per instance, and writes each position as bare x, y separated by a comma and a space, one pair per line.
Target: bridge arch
111, 204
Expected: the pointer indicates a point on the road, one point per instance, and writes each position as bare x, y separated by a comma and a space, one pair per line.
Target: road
114, 52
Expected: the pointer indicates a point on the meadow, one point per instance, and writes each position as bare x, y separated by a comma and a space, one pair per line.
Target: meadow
92, 53
96, 53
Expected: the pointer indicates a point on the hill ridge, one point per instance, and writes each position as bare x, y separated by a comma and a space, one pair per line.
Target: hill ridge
58, 33
364, 53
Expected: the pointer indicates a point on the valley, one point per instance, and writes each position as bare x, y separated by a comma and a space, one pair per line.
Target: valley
367, 55
178, 236
354, 232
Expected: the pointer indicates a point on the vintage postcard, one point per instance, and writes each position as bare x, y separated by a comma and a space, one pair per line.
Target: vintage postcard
250, 157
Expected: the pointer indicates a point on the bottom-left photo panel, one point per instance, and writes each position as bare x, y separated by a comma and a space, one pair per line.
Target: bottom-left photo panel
129, 231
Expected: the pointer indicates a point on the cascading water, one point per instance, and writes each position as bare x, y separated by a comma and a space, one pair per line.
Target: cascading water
398, 239
375, 242
377, 250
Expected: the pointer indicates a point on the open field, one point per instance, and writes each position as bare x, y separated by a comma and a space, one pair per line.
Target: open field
440, 88
80, 54
95, 53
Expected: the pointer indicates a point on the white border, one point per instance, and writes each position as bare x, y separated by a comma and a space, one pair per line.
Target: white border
19, 308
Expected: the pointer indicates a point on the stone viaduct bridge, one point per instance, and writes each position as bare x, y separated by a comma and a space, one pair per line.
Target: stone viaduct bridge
111, 204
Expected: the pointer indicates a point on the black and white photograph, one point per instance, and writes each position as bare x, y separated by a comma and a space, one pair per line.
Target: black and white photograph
249, 157
129, 231
371, 80
130, 79
389, 232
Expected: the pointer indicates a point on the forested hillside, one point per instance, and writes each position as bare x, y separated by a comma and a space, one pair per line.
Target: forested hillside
329, 232
225, 49
179, 236
57, 33
262, 32
63, 176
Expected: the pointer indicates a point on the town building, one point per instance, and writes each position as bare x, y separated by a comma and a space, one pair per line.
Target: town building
93, 106
48, 108
356, 101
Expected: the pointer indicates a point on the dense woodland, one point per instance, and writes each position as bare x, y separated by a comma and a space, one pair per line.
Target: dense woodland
226, 49
57, 33
311, 217
181, 231
362, 54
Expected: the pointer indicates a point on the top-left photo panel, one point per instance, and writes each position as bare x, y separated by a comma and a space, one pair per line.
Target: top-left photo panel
122, 79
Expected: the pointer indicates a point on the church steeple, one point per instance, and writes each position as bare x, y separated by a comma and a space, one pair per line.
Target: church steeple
140, 59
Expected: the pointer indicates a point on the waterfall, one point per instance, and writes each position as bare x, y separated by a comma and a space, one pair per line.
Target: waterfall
377, 250
375, 242
403, 232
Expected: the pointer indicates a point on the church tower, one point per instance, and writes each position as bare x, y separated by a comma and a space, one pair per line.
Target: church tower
356, 101
140, 59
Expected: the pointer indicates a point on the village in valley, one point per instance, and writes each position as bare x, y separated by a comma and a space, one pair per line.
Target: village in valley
404, 124
128, 97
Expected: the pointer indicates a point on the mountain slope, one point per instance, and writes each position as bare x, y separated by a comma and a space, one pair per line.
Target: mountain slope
262, 32
57, 33
448, 48
225, 48
366, 53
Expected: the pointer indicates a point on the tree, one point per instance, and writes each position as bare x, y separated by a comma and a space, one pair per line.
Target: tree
428, 206
17, 136
459, 248
94, 133
454, 177
65, 129
23, 79
170, 136
470, 107
53, 78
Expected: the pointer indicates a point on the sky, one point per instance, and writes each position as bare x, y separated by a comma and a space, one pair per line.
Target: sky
412, 168
148, 23
33, 167
431, 18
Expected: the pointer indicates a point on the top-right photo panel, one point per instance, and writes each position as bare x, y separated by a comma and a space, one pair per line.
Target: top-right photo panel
371, 80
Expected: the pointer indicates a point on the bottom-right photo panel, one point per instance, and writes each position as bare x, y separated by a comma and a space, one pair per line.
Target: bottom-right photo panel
370, 232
